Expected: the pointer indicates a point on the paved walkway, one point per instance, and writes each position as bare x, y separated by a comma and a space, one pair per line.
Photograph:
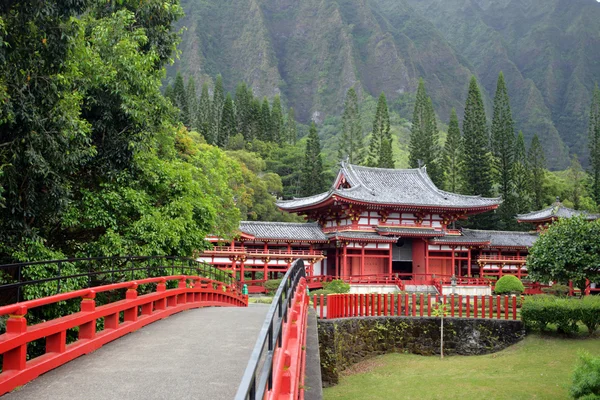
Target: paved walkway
196, 354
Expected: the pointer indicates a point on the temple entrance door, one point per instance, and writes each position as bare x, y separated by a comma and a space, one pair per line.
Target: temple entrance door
402, 258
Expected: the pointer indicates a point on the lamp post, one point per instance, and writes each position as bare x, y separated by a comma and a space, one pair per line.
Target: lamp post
453, 283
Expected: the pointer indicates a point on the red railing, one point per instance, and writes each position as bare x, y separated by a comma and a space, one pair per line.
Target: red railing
137, 312
404, 304
500, 258
244, 250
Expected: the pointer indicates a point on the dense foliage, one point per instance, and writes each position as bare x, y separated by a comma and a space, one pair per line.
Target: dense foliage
568, 251
586, 378
540, 311
509, 284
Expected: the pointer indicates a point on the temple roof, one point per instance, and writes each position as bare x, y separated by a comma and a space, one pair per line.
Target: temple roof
364, 236
303, 231
406, 232
555, 211
408, 187
490, 238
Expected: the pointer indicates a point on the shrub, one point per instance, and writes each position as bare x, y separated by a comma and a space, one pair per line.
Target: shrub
557, 290
337, 286
539, 311
509, 284
272, 284
589, 312
586, 378
320, 292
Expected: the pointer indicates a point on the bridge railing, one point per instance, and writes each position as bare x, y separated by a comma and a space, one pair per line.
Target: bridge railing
56, 276
276, 366
98, 325
415, 305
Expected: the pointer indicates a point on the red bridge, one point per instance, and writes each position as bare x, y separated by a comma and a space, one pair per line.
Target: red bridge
202, 352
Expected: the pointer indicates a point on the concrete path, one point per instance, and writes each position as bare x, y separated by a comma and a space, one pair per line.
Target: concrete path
196, 354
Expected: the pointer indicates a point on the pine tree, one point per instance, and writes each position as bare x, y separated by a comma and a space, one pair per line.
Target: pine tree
594, 144
381, 136
180, 97
351, 138
243, 102
452, 154
277, 123
228, 127
204, 118
312, 180
576, 177
521, 176
537, 165
218, 103
266, 126
476, 165
255, 120
192, 103
170, 94
424, 136
291, 131
503, 146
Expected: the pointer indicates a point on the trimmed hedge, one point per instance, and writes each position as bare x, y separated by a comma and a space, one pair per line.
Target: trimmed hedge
272, 284
586, 378
509, 284
337, 286
557, 290
540, 311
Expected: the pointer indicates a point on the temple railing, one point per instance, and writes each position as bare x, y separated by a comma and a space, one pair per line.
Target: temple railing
277, 364
415, 305
98, 325
56, 276
501, 258
260, 252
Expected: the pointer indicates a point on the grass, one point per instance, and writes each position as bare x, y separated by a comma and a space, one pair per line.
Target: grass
539, 367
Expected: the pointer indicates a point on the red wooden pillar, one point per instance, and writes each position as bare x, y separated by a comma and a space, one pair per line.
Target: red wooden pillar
345, 260
390, 260
242, 259
453, 261
362, 258
426, 259
469, 262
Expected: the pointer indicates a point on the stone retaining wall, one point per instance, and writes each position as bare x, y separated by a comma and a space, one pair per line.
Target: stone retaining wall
346, 341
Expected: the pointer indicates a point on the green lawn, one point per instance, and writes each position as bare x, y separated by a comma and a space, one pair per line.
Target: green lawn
539, 367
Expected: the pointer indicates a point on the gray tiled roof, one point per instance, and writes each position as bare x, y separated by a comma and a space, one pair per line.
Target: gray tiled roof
283, 230
409, 231
449, 239
353, 235
392, 186
557, 210
502, 238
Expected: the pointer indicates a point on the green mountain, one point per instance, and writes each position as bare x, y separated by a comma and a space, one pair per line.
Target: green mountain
312, 51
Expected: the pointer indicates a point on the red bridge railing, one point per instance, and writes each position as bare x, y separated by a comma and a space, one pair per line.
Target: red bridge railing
413, 305
119, 318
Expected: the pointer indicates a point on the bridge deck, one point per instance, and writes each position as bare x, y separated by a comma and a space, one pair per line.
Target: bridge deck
196, 354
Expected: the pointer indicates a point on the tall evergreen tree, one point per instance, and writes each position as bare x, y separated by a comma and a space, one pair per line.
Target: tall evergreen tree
452, 154
381, 137
266, 125
291, 131
424, 136
218, 102
228, 125
243, 101
503, 146
476, 166
522, 176
594, 144
255, 120
576, 178
277, 123
312, 180
204, 118
192, 102
537, 165
351, 138
181, 99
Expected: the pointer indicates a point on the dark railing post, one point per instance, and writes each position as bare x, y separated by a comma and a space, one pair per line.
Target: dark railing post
58, 281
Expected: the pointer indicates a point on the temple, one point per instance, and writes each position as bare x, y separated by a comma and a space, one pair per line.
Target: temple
543, 218
377, 225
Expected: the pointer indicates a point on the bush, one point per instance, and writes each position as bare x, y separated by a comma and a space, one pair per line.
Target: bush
557, 290
586, 378
271, 285
320, 292
509, 284
539, 311
337, 286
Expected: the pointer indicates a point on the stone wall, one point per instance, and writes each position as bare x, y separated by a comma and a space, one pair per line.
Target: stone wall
346, 341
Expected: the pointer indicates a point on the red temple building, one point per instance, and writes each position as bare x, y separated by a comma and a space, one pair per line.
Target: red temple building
543, 218
374, 226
